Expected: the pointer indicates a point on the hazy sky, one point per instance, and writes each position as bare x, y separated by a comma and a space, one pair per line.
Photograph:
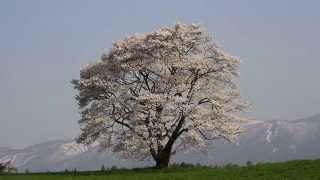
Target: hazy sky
44, 43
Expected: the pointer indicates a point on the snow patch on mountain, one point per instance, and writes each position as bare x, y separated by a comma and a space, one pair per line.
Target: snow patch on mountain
275, 149
269, 133
251, 122
72, 149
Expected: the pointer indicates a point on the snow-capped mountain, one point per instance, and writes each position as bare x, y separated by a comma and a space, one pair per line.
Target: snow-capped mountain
276, 140
264, 141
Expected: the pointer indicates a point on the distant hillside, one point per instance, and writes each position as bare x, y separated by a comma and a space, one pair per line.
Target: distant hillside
264, 141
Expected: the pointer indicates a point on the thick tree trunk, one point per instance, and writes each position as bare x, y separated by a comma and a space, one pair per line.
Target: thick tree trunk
163, 157
163, 160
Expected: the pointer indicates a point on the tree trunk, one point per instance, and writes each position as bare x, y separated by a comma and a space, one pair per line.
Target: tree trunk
163, 160
163, 157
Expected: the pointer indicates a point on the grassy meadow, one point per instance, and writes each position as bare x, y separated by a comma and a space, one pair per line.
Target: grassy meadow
293, 170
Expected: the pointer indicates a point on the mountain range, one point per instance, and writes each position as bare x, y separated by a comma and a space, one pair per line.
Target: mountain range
263, 141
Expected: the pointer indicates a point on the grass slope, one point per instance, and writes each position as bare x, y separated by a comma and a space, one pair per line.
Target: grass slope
293, 170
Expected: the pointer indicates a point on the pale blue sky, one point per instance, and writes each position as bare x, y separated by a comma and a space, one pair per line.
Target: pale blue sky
44, 43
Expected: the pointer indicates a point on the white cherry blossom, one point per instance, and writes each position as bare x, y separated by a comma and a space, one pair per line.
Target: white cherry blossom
156, 93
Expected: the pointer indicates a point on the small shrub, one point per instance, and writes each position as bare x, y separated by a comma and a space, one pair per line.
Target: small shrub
114, 168
249, 163
103, 168
186, 165
230, 165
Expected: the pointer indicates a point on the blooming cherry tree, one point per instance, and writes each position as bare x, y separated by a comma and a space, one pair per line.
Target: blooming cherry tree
157, 93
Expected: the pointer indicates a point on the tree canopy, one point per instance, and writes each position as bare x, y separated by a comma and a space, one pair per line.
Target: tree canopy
157, 93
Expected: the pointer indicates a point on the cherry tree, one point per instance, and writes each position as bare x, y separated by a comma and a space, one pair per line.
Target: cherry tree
7, 167
157, 93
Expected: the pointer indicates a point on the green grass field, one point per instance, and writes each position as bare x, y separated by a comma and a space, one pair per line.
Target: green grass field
296, 170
